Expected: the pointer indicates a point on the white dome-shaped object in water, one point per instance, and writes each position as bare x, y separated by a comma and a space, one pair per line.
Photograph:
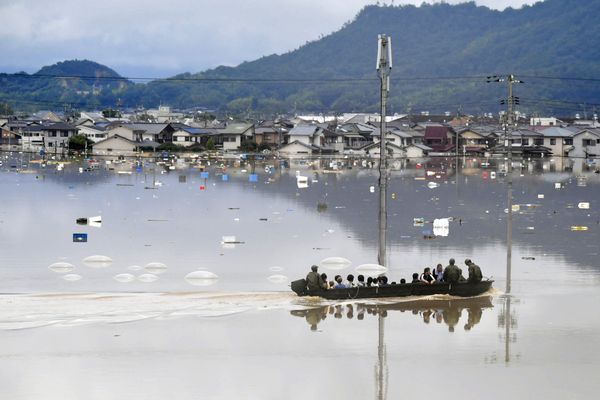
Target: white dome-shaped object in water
98, 261
371, 269
124, 278
201, 278
147, 278
278, 279
61, 267
335, 263
156, 268
72, 277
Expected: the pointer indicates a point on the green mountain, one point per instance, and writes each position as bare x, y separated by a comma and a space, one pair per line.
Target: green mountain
442, 54
76, 83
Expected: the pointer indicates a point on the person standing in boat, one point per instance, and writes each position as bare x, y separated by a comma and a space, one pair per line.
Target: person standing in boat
452, 273
474, 271
314, 281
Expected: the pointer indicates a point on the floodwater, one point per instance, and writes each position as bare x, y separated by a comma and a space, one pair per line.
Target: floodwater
131, 326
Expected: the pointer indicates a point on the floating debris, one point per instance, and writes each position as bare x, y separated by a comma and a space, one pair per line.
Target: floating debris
97, 261
72, 277
540, 196
583, 205
527, 258
579, 228
335, 263
80, 237
278, 279
156, 268
433, 185
61, 267
147, 278
201, 278
441, 227
371, 269
418, 221
124, 278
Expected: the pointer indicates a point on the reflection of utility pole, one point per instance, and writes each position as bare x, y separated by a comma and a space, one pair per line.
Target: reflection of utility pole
508, 321
384, 65
508, 126
381, 368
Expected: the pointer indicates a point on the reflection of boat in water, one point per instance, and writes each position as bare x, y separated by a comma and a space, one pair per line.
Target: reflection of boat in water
461, 289
448, 311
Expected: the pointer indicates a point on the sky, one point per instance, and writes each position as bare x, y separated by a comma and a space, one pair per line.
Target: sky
157, 39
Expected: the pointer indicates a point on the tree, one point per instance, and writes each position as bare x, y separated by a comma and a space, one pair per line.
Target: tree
210, 144
6, 109
110, 113
79, 142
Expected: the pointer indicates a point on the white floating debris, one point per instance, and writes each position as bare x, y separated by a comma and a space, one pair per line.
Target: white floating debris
540, 196
430, 173
72, 277
156, 268
97, 261
276, 269
557, 185
147, 278
279, 279
493, 175
228, 239
371, 269
335, 263
584, 205
201, 278
61, 267
135, 268
372, 189
124, 278
441, 227
432, 185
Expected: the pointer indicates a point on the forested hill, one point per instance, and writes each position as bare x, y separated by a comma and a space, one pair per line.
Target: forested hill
442, 54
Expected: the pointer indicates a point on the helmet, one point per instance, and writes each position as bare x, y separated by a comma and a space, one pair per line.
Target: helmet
314, 268
467, 261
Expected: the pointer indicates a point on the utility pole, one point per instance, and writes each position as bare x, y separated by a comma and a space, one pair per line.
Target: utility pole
384, 66
509, 124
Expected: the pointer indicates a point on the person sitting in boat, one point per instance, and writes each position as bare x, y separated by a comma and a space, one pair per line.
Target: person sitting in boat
339, 284
438, 273
361, 281
415, 278
314, 281
474, 271
426, 276
382, 280
369, 281
327, 284
402, 281
350, 281
452, 274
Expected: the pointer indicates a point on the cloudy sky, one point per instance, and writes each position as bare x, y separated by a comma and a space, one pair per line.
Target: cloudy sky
147, 38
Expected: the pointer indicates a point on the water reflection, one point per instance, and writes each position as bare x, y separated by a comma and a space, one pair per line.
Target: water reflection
453, 313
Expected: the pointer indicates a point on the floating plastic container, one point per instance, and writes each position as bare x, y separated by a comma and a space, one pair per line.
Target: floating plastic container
584, 205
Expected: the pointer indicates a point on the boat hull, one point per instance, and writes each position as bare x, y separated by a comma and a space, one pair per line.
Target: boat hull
461, 289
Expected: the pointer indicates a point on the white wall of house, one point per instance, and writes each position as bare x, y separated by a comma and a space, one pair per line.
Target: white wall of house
232, 142
57, 138
294, 148
92, 134
585, 143
121, 131
183, 138
414, 152
114, 146
301, 138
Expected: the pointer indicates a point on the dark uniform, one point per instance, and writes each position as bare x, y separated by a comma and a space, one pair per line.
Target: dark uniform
314, 280
452, 273
474, 272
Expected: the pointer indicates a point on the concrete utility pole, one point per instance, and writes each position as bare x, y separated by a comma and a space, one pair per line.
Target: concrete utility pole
509, 124
384, 66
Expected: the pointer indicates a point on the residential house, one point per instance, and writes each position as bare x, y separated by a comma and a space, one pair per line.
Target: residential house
393, 150
357, 135
57, 135
395, 136
297, 148
188, 136
439, 138
303, 133
476, 140
559, 140
586, 143
93, 133
115, 145
267, 135
231, 136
